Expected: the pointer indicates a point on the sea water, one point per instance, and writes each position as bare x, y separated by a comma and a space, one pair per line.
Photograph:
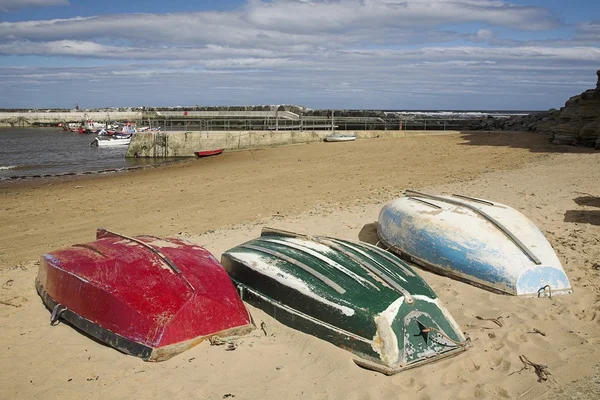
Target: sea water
35, 152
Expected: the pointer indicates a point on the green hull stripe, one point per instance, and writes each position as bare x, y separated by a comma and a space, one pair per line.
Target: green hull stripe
301, 314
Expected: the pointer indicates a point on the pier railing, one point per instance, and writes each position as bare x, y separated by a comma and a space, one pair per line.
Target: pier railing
238, 120
306, 124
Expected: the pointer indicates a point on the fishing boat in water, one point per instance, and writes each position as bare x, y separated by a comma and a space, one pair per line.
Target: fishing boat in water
146, 296
481, 242
352, 294
111, 141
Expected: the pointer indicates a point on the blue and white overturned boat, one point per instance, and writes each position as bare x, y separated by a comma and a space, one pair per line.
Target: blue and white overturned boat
481, 242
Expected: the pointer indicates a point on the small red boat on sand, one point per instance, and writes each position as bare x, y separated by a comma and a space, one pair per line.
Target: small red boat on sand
206, 153
145, 296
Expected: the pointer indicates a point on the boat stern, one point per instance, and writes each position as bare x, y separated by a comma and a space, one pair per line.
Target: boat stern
543, 281
412, 333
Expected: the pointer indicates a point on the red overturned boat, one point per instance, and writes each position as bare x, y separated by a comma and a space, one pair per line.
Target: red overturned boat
145, 296
206, 153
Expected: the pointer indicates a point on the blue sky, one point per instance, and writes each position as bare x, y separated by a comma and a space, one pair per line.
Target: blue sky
380, 54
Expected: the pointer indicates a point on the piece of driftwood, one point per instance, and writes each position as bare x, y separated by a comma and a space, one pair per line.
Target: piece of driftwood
263, 327
494, 320
536, 330
229, 343
540, 370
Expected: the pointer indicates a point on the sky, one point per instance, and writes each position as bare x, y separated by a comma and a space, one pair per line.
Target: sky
341, 54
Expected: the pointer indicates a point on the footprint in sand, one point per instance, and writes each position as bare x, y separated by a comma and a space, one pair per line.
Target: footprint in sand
498, 345
494, 361
13, 302
457, 374
502, 393
480, 392
501, 362
471, 366
506, 364
408, 382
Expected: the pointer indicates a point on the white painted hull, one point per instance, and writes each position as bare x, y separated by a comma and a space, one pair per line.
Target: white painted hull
112, 142
340, 138
464, 238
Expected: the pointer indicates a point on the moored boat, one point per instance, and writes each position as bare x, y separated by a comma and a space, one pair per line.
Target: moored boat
484, 243
207, 153
352, 294
145, 296
111, 141
340, 138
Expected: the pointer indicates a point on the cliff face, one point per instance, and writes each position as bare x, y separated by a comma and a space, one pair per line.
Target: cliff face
578, 122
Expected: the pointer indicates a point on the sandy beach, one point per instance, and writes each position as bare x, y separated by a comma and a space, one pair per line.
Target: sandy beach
334, 189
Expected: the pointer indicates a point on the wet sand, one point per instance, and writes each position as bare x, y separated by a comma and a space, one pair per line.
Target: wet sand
335, 189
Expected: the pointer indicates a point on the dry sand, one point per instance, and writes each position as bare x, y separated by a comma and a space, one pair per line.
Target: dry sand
332, 189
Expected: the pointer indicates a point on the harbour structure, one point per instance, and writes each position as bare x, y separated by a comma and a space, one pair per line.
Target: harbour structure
231, 120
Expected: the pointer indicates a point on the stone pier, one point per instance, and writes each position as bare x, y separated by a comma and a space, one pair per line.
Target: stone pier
185, 144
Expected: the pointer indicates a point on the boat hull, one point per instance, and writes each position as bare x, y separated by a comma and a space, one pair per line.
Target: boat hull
148, 297
207, 153
352, 294
486, 244
112, 142
340, 138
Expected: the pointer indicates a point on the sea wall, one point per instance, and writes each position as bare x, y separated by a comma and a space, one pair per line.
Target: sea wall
19, 119
185, 144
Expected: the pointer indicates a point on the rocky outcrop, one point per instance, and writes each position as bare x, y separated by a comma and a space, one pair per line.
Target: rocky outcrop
527, 122
577, 123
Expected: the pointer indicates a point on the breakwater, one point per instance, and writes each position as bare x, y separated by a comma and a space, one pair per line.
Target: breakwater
185, 144
253, 120
164, 119
27, 119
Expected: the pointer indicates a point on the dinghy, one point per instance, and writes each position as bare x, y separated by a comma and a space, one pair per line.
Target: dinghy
110, 141
352, 294
484, 243
145, 296
340, 138
207, 153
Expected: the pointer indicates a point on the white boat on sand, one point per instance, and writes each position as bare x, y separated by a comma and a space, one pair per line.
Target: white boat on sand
340, 138
484, 243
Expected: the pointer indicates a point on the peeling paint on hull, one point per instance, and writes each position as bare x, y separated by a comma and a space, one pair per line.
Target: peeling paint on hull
149, 297
290, 276
457, 241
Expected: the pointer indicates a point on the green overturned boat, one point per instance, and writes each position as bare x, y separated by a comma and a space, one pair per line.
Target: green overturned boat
352, 294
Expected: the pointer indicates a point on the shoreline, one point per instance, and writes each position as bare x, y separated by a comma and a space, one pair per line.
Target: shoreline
74, 175
241, 186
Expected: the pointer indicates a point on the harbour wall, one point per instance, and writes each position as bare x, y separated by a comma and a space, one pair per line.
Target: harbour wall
23, 119
185, 144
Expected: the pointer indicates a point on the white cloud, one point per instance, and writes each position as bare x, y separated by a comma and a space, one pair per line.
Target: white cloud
368, 53
588, 32
287, 21
324, 15
13, 5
